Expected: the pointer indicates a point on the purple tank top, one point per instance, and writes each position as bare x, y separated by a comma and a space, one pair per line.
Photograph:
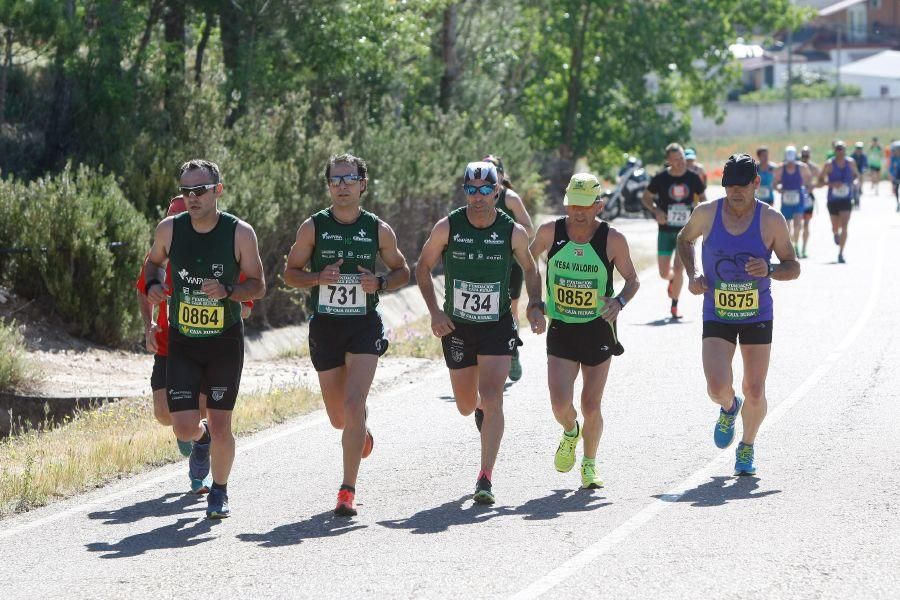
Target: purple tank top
845, 176
734, 296
793, 184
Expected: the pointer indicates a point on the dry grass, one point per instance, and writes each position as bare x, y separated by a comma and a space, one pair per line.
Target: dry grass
122, 438
414, 339
15, 369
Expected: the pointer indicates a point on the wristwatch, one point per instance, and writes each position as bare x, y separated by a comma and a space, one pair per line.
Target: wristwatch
538, 303
771, 269
229, 290
382, 282
621, 300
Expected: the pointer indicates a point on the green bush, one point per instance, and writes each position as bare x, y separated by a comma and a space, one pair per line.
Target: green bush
812, 91
86, 244
15, 370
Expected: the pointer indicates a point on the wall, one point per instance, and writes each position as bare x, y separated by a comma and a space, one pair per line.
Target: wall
747, 118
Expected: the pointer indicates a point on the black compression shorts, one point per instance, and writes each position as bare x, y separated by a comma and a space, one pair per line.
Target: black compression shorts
468, 341
218, 361
332, 338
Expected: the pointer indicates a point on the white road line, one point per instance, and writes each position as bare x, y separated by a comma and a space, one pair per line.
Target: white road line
307, 421
623, 531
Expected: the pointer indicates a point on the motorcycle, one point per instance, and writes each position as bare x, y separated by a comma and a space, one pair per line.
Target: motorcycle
625, 197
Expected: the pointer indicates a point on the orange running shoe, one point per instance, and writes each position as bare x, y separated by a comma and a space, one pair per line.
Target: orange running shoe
369, 445
346, 505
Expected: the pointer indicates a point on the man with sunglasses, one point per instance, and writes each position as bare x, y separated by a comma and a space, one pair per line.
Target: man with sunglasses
841, 174
478, 244
206, 250
339, 245
156, 339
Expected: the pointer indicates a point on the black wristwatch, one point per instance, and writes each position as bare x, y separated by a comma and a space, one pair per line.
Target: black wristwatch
621, 300
382, 282
538, 303
771, 269
229, 290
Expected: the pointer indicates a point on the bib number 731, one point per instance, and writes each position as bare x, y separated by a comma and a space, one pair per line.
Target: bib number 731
346, 297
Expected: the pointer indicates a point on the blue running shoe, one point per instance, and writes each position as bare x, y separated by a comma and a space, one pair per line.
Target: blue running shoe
185, 447
198, 467
743, 461
217, 504
723, 434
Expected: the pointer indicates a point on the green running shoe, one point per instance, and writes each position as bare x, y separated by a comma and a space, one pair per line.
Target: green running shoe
515, 368
565, 453
589, 478
483, 493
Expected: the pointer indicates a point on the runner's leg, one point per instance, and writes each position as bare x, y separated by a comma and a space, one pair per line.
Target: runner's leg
492, 373
161, 408
360, 373
465, 389
756, 367
594, 381
332, 383
561, 374
717, 357
844, 219
222, 448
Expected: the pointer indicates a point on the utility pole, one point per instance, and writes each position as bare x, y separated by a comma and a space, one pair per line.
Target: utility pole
790, 74
837, 83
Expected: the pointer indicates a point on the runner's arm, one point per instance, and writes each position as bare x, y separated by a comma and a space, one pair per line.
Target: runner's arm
620, 255
776, 179
696, 225
526, 261
295, 273
250, 264
788, 266
515, 204
541, 242
649, 203
428, 259
392, 258
154, 267
806, 174
823, 174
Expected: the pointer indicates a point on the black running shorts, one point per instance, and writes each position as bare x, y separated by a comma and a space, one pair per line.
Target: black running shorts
158, 376
217, 361
748, 333
838, 206
590, 343
468, 341
332, 338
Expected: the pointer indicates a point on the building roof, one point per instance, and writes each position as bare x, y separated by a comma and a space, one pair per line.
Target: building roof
828, 7
884, 65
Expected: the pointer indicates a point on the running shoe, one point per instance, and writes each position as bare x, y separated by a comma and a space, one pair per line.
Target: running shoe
483, 493
675, 313
185, 447
589, 478
565, 452
841, 259
515, 367
346, 504
369, 445
479, 418
743, 460
198, 466
217, 504
803, 254
723, 434
837, 239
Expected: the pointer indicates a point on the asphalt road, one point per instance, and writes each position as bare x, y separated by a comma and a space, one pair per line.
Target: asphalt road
819, 521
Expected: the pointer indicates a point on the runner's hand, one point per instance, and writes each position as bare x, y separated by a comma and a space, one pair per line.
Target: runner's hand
536, 318
245, 311
331, 273
611, 308
150, 338
441, 324
661, 217
368, 280
757, 267
157, 293
697, 285
213, 289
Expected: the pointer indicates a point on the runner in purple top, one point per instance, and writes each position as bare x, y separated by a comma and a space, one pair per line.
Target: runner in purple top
739, 235
793, 179
841, 174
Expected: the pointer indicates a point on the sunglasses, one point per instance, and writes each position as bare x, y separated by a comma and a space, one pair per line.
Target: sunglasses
336, 180
484, 190
196, 190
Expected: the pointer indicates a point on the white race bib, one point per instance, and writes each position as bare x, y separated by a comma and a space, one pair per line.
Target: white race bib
678, 215
476, 301
764, 192
841, 191
790, 197
346, 297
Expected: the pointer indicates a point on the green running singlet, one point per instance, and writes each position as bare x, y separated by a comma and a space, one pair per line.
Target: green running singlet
577, 275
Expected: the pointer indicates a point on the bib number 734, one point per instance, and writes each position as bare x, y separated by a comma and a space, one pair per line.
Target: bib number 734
476, 301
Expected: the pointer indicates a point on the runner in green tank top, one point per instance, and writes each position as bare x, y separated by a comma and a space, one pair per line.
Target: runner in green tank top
510, 202
207, 250
334, 254
581, 253
478, 244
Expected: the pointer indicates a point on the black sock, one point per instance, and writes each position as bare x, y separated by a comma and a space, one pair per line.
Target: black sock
220, 486
204, 439
348, 487
675, 303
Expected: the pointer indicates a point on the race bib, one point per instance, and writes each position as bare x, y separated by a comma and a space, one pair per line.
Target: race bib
201, 317
576, 297
764, 192
841, 191
476, 301
738, 300
346, 297
678, 215
790, 197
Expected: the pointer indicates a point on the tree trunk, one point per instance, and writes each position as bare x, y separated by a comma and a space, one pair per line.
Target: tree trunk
201, 47
573, 92
173, 19
230, 25
4, 76
60, 123
152, 18
449, 57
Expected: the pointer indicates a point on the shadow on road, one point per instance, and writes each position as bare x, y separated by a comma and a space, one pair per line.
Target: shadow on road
168, 505
318, 526
716, 492
668, 321
463, 512
176, 535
